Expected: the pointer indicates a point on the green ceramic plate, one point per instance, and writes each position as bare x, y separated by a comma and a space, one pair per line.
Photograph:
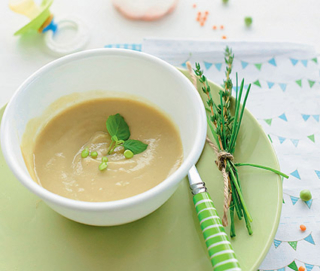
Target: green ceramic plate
34, 238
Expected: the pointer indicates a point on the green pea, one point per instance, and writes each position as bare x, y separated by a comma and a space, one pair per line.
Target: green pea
248, 21
85, 153
103, 166
128, 154
305, 195
94, 154
225, 1
104, 159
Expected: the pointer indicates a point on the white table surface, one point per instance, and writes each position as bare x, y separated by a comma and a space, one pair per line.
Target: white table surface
273, 20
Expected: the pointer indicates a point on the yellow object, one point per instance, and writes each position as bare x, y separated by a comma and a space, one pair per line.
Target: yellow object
25, 7
37, 14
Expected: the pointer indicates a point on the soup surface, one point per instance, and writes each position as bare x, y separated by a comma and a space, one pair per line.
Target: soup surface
59, 167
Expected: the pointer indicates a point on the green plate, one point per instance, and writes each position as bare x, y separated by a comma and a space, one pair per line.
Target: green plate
35, 238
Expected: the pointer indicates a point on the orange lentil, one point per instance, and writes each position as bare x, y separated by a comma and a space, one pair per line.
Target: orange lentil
204, 18
206, 13
199, 14
224, 37
194, 6
202, 23
214, 27
221, 27
303, 227
198, 18
301, 268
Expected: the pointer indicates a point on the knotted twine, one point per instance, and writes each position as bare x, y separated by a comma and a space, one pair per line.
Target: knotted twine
222, 157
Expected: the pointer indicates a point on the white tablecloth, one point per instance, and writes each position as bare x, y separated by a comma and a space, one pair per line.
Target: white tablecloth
273, 20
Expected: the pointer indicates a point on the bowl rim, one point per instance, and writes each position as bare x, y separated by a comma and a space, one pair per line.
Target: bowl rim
166, 184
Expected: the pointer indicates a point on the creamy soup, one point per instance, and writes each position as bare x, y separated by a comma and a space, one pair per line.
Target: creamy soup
59, 167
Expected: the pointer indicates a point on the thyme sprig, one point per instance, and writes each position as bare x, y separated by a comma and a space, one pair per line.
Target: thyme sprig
225, 128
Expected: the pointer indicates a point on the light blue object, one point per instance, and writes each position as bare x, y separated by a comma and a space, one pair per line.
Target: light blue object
294, 200
309, 266
309, 203
283, 117
130, 46
244, 64
305, 117
207, 65
270, 84
52, 26
309, 239
184, 65
272, 61
218, 66
294, 61
277, 243
295, 174
304, 62
283, 86
295, 142
281, 139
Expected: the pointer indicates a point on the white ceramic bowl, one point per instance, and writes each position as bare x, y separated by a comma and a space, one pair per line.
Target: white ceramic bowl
122, 71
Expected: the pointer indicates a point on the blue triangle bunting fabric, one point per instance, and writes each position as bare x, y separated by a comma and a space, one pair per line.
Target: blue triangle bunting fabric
133, 46
309, 203
304, 62
136, 47
270, 84
277, 243
234, 89
309, 239
207, 65
295, 142
309, 266
295, 174
281, 269
316, 117
272, 61
218, 66
318, 173
283, 86
294, 200
184, 65
244, 64
281, 139
283, 116
294, 61
305, 117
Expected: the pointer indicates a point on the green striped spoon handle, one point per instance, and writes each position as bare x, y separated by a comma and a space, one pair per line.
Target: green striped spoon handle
219, 247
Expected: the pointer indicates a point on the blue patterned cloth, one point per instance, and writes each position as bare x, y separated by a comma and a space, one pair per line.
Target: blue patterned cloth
285, 98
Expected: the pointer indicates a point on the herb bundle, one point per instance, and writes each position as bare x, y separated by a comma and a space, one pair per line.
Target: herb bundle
224, 128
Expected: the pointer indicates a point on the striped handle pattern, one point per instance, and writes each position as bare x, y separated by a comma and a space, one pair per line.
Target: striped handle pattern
219, 247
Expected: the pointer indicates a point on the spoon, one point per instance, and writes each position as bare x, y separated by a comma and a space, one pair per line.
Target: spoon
217, 241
